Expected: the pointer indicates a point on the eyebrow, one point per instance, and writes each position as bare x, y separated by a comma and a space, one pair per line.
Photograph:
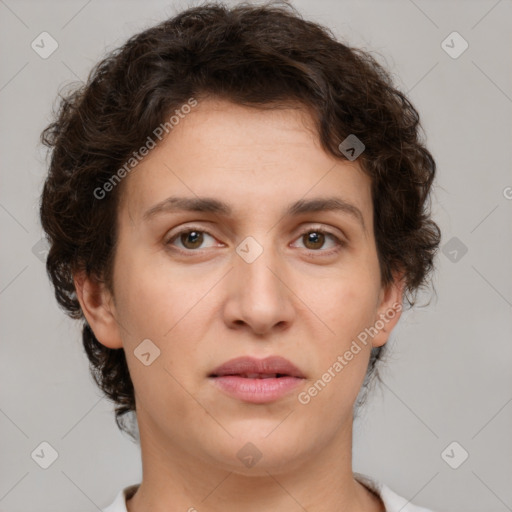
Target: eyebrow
211, 205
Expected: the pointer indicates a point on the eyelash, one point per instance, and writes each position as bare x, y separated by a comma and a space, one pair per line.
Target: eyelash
340, 243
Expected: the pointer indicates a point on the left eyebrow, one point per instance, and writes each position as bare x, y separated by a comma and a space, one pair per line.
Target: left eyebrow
212, 205
324, 204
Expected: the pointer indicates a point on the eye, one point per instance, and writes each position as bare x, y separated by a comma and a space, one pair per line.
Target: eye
190, 238
315, 238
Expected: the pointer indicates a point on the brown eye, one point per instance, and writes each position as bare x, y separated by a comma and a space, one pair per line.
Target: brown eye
317, 240
191, 239
313, 239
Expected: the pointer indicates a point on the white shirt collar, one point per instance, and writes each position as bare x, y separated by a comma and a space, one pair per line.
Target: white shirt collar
392, 501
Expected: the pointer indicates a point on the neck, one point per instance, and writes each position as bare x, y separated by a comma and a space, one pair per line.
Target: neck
176, 479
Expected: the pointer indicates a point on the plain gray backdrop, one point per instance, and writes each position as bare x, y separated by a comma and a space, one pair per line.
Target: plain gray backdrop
449, 379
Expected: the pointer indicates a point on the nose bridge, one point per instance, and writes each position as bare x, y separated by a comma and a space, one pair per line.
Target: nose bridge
255, 259
259, 297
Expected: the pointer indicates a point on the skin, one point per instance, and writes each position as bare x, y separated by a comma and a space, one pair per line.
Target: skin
203, 306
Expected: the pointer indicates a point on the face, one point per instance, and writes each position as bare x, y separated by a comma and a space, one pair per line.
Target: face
263, 271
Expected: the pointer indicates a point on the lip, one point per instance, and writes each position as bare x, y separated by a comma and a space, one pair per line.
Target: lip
244, 378
269, 365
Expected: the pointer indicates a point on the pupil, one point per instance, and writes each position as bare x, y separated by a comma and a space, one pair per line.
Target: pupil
315, 238
196, 237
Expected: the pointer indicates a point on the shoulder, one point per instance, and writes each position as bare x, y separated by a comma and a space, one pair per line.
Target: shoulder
119, 503
392, 501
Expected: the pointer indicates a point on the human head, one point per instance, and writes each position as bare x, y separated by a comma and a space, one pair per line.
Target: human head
258, 56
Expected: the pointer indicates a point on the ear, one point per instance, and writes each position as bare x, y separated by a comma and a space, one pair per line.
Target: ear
99, 309
389, 309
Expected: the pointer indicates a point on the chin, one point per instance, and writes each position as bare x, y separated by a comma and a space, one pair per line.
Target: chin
261, 450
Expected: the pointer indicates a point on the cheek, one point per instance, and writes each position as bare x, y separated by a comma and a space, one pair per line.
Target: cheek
350, 304
149, 298
343, 358
349, 307
158, 307
164, 305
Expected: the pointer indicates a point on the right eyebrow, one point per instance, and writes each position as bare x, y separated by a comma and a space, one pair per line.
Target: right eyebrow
191, 204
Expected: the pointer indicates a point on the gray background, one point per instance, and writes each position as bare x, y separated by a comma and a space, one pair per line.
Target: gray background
449, 378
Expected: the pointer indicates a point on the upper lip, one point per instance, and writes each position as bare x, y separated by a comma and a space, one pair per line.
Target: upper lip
250, 365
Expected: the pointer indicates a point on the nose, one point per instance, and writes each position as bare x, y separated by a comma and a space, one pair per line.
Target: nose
259, 299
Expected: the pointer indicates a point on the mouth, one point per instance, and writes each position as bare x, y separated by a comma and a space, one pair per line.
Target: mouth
261, 389
254, 375
247, 367
257, 381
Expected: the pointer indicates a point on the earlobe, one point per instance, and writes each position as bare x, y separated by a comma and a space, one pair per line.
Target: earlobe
389, 310
98, 308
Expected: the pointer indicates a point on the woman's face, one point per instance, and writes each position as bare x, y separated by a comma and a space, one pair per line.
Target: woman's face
255, 278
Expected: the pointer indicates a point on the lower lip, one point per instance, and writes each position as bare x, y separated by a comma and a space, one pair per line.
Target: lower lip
257, 391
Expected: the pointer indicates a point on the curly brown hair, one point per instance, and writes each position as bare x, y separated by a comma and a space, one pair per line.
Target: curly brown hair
256, 56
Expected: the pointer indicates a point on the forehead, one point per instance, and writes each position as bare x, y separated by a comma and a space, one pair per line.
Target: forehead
252, 158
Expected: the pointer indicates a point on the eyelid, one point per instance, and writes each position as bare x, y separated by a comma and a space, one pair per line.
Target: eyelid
335, 232
340, 241
187, 229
